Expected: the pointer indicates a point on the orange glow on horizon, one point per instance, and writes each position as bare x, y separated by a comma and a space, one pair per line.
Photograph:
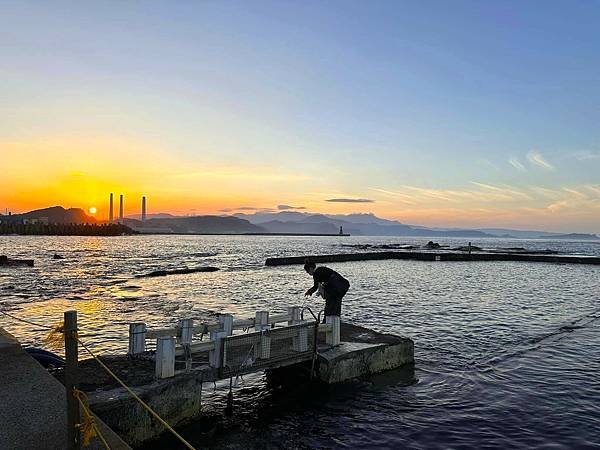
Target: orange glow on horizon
79, 171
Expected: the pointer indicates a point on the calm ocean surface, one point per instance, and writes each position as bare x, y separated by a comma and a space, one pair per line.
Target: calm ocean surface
494, 366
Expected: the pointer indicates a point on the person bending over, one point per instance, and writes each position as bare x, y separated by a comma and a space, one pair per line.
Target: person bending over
334, 285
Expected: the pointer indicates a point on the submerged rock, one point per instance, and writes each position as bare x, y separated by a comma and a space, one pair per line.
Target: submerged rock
162, 273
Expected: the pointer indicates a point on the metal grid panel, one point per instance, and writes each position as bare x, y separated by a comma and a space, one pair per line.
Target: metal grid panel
253, 351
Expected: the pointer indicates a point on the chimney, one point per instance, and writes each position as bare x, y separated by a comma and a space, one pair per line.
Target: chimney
121, 208
110, 209
144, 209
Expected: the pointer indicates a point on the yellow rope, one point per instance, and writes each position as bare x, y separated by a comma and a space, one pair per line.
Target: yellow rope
55, 339
26, 321
135, 396
89, 428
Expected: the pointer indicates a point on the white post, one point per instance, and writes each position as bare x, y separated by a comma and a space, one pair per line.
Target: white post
226, 321
215, 356
300, 342
165, 357
333, 335
265, 345
185, 331
137, 338
294, 313
261, 320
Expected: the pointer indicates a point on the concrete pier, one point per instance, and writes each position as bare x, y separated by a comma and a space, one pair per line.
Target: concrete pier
33, 410
178, 399
434, 256
363, 352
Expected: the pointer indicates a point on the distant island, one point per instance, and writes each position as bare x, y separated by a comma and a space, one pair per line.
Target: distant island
60, 221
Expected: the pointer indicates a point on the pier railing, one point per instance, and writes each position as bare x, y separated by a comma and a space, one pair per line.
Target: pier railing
278, 339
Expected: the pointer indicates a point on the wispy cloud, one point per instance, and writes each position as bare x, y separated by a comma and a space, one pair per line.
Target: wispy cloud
575, 192
350, 200
586, 155
404, 198
246, 208
509, 191
286, 207
594, 189
537, 159
517, 164
545, 192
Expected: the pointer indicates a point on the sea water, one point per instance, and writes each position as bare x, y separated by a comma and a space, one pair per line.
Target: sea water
507, 353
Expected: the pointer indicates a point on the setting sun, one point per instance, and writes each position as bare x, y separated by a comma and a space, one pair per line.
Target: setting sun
92, 210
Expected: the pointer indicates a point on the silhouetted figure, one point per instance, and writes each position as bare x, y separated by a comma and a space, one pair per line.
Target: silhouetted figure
341, 230
334, 286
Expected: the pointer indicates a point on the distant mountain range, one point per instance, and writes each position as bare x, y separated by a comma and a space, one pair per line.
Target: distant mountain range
371, 225
195, 224
285, 222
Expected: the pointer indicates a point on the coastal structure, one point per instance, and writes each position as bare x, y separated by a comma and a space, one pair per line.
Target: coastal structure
159, 383
143, 209
467, 255
110, 209
5, 261
121, 208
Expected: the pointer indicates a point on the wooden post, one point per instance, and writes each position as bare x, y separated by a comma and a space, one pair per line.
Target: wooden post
71, 357
295, 313
137, 338
333, 336
165, 357
261, 320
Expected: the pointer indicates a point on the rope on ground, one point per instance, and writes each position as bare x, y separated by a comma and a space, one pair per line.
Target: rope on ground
55, 337
135, 396
89, 427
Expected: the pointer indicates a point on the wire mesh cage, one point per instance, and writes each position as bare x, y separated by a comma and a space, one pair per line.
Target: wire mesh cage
252, 351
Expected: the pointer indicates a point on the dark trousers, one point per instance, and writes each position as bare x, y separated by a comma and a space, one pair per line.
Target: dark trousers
335, 289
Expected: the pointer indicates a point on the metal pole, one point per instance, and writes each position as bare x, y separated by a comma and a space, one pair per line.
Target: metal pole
71, 347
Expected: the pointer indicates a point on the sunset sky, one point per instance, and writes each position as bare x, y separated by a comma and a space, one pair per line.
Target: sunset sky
447, 113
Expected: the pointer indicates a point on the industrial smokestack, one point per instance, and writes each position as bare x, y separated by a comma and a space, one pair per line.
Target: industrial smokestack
110, 209
143, 209
121, 208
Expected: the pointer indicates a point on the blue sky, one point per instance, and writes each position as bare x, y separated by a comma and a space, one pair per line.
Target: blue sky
443, 113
